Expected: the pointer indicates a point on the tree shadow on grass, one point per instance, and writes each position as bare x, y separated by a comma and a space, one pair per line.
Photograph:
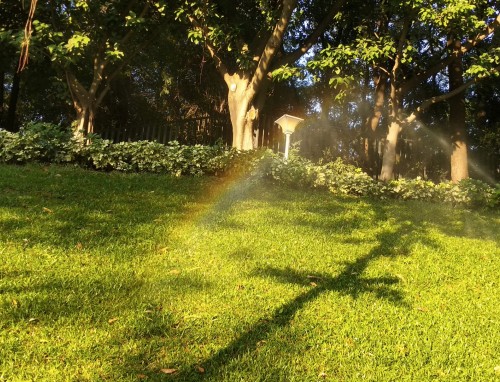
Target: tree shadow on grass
61, 207
349, 281
94, 297
404, 227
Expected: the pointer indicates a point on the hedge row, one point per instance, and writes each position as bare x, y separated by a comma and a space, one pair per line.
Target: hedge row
47, 143
343, 179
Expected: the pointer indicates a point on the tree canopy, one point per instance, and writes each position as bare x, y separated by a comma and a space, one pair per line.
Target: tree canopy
389, 85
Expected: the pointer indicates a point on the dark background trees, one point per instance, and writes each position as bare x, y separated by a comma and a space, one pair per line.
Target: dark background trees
399, 88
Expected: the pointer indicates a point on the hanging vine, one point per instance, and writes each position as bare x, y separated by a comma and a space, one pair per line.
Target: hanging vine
23, 58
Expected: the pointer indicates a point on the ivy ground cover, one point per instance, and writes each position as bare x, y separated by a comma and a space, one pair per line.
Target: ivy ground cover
130, 277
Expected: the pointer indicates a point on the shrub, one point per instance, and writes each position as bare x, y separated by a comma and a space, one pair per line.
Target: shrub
37, 141
125, 156
344, 179
173, 158
9, 143
476, 193
338, 177
297, 171
413, 189
44, 142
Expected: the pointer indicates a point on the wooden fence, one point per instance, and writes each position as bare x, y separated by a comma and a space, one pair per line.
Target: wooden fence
205, 130
208, 130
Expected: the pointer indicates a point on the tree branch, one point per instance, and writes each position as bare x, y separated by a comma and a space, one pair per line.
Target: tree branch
419, 77
99, 65
443, 97
219, 63
272, 45
28, 30
131, 32
307, 44
394, 92
259, 43
490, 28
443, 64
402, 38
76, 89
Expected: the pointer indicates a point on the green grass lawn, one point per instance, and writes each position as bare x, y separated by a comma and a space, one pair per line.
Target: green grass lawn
116, 277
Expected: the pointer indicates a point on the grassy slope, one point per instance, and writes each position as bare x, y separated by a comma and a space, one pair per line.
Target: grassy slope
116, 277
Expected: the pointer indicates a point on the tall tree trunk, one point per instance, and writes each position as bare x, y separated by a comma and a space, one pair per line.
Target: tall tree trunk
389, 160
11, 118
240, 105
389, 157
373, 122
84, 123
243, 120
86, 101
459, 160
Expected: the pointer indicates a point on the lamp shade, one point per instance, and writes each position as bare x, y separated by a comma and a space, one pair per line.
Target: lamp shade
288, 123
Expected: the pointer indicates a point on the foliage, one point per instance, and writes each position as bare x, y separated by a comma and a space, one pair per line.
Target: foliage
43, 142
227, 28
124, 277
173, 158
47, 143
417, 189
74, 36
344, 179
152, 75
410, 43
297, 171
37, 141
477, 193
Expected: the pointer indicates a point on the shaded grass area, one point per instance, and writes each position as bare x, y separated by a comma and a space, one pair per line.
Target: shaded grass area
145, 277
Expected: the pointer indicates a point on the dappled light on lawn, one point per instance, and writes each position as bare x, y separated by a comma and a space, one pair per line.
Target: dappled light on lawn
148, 277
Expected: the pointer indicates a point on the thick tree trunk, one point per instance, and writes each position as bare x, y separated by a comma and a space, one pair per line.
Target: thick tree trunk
459, 160
243, 119
389, 159
84, 123
373, 122
387, 172
11, 118
246, 87
85, 103
244, 115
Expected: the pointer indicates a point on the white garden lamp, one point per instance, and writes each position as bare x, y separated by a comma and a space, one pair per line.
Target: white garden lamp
288, 123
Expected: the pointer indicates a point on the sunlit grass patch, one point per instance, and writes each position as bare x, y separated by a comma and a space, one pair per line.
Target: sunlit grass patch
145, 277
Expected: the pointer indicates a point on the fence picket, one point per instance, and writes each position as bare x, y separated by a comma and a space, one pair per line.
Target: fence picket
206, 129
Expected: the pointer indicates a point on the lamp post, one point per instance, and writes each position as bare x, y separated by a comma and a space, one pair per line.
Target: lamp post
288, 123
